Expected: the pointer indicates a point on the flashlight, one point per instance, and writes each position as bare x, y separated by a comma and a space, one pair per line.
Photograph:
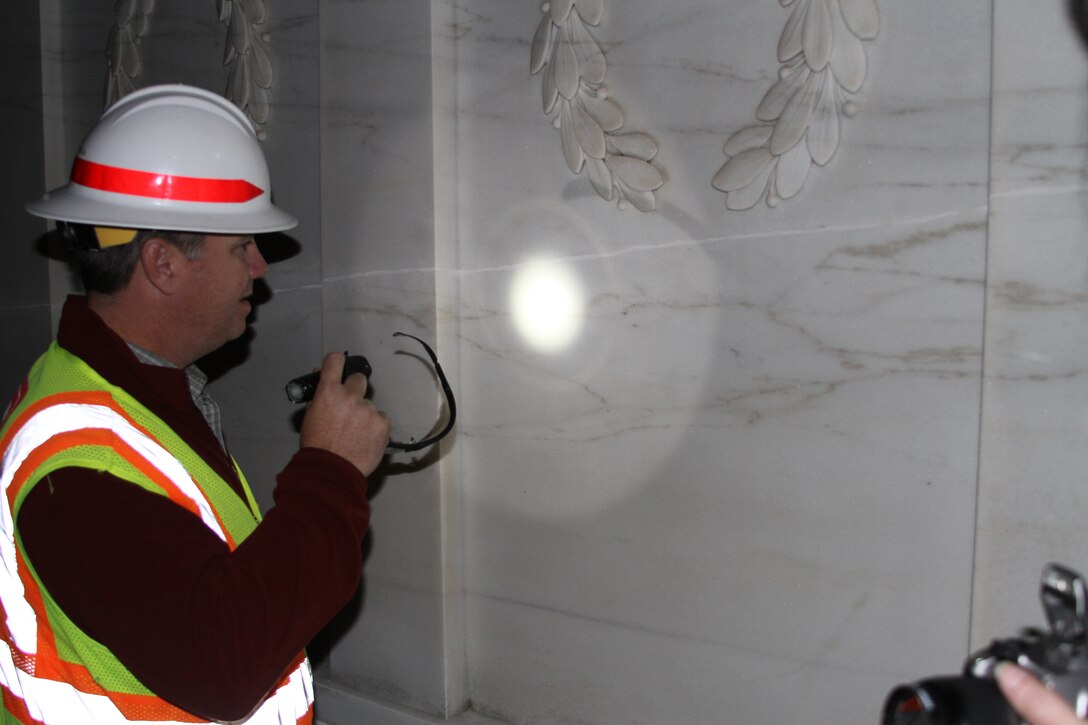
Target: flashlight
301, 389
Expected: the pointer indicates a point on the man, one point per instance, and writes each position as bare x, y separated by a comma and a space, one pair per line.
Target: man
138, 580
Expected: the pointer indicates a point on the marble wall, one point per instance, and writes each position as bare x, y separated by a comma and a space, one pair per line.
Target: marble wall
711, 466
24, 277
1033, 457
744, 491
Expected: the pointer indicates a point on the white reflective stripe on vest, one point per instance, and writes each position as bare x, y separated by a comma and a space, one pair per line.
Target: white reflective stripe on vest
42, 426
60, 703
288, 703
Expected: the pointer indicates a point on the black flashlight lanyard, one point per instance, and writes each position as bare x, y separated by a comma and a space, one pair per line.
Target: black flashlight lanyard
451, 404
302, 389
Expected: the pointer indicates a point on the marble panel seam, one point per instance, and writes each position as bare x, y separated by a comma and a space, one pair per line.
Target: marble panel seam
968, 212
656, 632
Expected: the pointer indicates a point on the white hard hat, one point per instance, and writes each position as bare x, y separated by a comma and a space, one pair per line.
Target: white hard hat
170, 158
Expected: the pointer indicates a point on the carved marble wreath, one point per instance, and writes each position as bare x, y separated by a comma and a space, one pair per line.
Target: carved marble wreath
799, 120
823, 60
618, 164
250, 72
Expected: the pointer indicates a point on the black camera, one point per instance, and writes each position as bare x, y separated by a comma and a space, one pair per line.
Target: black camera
1058, 657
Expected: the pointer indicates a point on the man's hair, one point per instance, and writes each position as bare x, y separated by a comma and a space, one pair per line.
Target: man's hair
109, 270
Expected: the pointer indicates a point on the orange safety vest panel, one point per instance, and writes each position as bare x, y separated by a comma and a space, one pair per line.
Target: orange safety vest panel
50, 671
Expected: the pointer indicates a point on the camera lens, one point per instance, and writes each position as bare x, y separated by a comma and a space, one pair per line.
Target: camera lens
911, 705
948, 701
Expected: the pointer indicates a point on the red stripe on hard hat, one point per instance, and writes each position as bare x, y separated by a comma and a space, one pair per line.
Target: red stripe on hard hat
162, 186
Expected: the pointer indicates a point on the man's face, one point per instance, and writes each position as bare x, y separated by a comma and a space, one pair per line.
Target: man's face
219, 282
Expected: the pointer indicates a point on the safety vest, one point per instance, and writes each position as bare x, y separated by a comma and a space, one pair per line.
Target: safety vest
51, 672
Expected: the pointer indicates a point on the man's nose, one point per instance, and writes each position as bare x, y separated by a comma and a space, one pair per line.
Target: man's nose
258, 267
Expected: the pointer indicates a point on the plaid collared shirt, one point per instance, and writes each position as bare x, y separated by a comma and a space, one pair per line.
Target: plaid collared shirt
197, 382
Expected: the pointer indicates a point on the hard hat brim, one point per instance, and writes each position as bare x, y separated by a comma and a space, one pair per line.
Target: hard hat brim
80, 205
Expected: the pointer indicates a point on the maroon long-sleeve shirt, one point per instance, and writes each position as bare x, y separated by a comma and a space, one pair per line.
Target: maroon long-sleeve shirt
205, 628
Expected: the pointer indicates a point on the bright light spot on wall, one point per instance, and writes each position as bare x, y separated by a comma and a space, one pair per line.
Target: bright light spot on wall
547, 305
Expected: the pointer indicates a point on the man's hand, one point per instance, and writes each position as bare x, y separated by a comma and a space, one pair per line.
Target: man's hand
1031, 698
339, 419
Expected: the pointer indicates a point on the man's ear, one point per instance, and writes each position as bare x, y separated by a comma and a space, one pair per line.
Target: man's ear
160, 261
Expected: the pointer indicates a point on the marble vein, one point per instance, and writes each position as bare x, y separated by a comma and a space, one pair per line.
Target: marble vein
675, 244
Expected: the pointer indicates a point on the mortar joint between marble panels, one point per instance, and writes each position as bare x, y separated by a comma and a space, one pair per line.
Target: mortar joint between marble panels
965, 213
